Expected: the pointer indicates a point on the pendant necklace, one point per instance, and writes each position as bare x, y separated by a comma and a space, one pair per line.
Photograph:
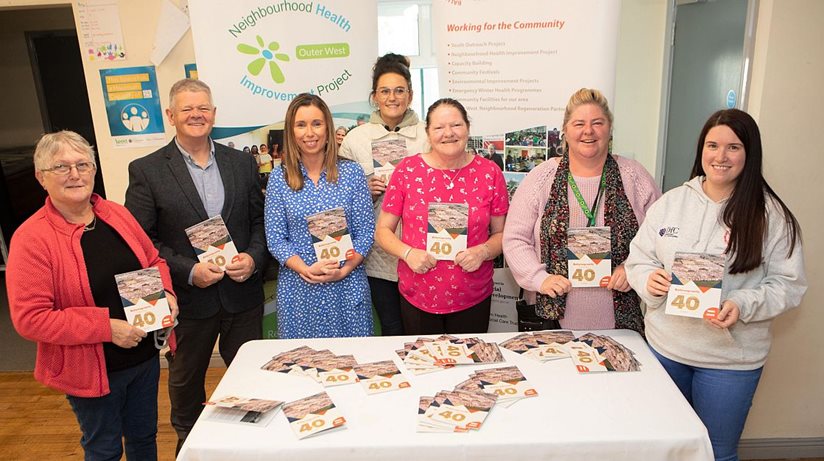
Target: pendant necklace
451, 180
90, 226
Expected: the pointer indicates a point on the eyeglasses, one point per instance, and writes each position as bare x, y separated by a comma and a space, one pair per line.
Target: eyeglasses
64, 169
399, 92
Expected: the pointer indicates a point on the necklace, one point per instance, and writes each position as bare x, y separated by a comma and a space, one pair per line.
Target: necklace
90, 227
451, 180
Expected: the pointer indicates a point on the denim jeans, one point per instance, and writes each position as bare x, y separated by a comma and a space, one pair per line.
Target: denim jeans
721, 399
129, 411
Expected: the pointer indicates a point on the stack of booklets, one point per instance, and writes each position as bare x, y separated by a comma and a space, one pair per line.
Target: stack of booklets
595, 353
426, 355
323, 366
454, 411
540, 345
508, 384
380, 377
234, 409
313, 415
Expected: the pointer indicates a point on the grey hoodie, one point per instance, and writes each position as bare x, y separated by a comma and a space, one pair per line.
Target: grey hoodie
685, 219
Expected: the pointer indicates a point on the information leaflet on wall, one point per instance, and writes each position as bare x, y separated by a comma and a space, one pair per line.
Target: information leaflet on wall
133, 106
99, 30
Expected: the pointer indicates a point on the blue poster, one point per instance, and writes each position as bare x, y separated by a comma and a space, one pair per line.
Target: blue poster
133, 106
191, 70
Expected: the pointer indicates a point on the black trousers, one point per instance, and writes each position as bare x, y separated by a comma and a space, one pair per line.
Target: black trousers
195, 343
472, 320
387, 301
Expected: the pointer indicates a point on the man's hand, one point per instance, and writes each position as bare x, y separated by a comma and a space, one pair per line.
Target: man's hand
206, 274
241, 268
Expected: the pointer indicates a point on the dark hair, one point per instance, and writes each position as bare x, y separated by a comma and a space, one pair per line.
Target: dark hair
390, 63
291, 153
748, 203
448, 102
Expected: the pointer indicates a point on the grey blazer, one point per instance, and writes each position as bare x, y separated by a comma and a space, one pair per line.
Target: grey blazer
163, 198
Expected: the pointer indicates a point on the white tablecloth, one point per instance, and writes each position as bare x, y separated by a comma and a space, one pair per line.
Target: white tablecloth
603, 416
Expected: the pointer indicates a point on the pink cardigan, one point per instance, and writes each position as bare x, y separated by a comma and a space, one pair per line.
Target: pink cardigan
51, 301
587, 308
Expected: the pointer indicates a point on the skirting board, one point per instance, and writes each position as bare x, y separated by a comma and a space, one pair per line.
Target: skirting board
781, 448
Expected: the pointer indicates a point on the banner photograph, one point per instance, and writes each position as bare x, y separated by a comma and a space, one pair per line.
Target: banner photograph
258, 55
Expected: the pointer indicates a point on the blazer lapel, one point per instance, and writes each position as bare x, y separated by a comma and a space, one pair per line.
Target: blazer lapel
227, 175
184, 180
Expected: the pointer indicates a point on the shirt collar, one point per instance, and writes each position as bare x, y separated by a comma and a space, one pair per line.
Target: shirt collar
188, 157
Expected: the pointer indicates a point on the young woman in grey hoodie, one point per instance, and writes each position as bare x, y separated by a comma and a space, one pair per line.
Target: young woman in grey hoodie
728, 209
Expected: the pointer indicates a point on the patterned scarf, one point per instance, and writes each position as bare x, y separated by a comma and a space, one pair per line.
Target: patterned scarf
618, 215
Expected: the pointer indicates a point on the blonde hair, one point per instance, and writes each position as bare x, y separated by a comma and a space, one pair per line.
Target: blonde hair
291, 152
51, 143
587, 96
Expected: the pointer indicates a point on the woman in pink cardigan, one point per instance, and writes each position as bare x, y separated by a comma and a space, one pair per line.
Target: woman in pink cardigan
586, 187
63, 295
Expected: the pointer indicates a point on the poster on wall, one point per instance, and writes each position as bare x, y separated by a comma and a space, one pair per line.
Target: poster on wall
503, 316
190, 70
515, 68
257, 56
133, 106
99, 30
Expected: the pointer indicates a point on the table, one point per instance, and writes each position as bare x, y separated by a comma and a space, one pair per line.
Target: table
604, 416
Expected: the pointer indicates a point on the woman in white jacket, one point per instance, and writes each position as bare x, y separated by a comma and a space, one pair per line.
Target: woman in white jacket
727, 209
394, 131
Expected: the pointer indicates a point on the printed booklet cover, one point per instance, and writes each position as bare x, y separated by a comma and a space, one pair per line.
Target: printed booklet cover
212, 242
330, 235
144, 299
446, 230
589, 256
313, 415
235, 409
696, 285
386, 155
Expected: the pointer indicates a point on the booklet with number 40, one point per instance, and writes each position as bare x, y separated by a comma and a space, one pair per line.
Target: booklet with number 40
696, 285
212, 242
330, 235
144, 299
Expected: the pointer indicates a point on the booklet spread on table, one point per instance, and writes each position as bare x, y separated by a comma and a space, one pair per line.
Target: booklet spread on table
330, 235
212, 242
696, 285
313, 415
243, 410
446, 230
589, 256
144, 299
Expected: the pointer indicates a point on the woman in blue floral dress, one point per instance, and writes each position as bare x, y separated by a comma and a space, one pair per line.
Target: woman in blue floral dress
306, 201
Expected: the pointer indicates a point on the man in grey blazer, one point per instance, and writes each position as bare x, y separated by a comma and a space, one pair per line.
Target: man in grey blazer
192, 179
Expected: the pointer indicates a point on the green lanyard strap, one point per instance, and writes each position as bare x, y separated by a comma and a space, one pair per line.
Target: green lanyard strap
590, 214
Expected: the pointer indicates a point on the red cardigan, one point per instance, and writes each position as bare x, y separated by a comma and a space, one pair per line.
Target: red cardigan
51, 301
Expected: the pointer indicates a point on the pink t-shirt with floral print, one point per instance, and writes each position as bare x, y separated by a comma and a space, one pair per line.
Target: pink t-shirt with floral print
414, 184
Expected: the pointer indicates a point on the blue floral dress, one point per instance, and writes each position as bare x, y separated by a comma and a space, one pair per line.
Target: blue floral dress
319, 310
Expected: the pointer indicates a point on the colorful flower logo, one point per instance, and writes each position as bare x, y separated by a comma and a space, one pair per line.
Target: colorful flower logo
267, 54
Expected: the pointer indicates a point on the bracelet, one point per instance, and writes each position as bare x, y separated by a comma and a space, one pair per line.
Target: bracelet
488, 252
406, 253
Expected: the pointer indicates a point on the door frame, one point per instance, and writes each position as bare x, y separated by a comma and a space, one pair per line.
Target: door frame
669, 39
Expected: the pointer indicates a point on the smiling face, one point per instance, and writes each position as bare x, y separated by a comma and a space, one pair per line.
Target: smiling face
73, 189
310, 131
587, 133
723, 158
448, 131
391, 104
192, 115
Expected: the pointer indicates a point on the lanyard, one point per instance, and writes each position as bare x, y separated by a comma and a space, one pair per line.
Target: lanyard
582, 203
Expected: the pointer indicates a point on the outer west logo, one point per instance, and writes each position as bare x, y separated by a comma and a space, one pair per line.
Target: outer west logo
265, 54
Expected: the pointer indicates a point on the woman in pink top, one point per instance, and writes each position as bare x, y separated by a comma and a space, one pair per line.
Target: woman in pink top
444, 190
586, 187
